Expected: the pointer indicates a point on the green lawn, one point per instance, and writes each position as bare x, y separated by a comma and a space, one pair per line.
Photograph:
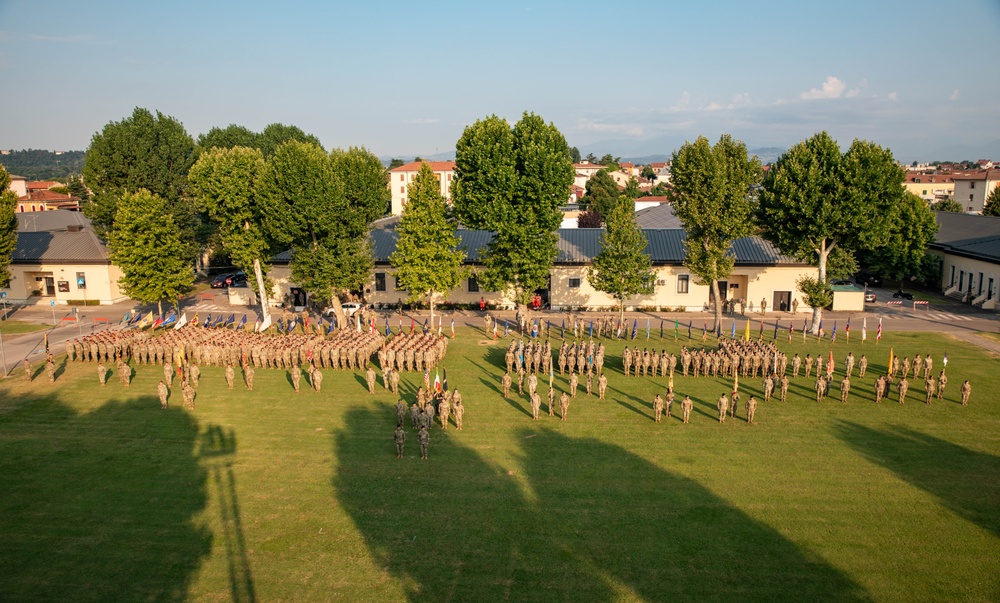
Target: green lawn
268, 495
19, 327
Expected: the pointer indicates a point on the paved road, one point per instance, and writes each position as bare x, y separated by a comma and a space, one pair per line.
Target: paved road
943, 316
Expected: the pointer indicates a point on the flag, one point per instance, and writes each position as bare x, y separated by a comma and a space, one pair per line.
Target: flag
136, 318
689, 329
677, 325
46, 339
126, 318
413, 324
761, 333
437, 382
592, 330
266, 324
888, 367
400, 321
494, 330
506, 326
291, 326
169, 320
157, 322
145, 322
829, 366
208, 321
775, 329
847, 330
945, 361
661, 328
444, 381
387, 329
425, 326
333, 325
635, 327
230, 321
878, 334
819, 331
833, 336
746, 331
733, 334
563, 329
704, 330
647, 328
183, 321
305, 323
453, 328
243, 322
281, 326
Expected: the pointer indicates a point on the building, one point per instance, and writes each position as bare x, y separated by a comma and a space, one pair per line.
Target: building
401, 177
968, 247
972, 188
930, 187
59, 258
19, 185
46, 200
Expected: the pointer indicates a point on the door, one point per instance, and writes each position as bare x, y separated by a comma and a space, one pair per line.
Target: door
298, 298
50, 286
782, 301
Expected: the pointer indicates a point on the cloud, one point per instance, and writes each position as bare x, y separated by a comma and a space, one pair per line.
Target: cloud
739, 100
423, 121
853, 92
893, 96
628, 129
831, 88
683, 101
713, 106
954, 95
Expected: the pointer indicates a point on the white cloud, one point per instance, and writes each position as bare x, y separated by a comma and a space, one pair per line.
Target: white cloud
423, 121
954, 95
893, 96
739, 100
831, 88
713, 106
853, 92
629, 129
683, 101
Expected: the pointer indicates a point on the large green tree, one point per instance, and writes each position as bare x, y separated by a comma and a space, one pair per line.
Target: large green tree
427, 259
8, 226
816, 201
225, 182
266, 142
623, 268
949, 205
902, 253
146, 245
992, 205
143, 151
513, 181
602, 192
713, 196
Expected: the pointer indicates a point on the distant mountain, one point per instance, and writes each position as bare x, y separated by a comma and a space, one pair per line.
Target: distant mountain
445, 156
39, 164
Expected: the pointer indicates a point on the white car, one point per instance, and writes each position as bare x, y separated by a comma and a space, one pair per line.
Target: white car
350, 308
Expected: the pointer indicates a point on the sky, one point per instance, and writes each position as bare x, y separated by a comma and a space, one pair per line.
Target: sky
405, 78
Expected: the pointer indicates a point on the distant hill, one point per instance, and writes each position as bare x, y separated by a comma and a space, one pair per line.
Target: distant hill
37, 164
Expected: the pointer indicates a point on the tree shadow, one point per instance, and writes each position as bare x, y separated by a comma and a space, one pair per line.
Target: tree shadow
965, 481
100, 506
588, 521
619, 399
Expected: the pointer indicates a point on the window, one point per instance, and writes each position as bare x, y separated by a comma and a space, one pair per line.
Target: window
925, 192
380, 281
574, 283
683, 282
81, 280
402, 178
398, 286
473, 285
972, 185
402, 189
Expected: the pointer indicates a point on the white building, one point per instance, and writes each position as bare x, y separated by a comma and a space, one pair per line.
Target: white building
400, 179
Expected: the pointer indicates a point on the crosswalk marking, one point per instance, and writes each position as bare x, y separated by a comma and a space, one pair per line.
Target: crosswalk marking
941, 316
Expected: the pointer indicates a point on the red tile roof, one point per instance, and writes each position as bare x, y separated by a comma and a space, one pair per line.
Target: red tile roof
437, 166
47, 196
923, 178
978, 175
41, 185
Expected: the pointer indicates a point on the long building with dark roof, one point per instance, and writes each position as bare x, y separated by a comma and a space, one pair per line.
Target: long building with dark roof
969, 248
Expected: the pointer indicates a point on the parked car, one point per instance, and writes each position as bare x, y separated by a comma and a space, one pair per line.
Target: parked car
841, 281
870, 280
869, 297
237, 280
350, 308
219, 282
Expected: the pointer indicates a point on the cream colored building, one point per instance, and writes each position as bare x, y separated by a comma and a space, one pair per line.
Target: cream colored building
400, 179
59, 259
930, 187
968, 247
972, 189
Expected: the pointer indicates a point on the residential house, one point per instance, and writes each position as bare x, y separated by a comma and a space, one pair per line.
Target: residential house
929, 187
972, 188
46, 200
400, 179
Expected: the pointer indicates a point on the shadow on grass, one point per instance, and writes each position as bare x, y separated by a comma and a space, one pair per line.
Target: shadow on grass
601, 524
965, 481
100, 506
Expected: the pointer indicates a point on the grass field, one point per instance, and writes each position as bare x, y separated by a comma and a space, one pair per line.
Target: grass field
268, 495
19, 327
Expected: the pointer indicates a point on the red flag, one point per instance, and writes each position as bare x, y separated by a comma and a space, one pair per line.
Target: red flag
878, 334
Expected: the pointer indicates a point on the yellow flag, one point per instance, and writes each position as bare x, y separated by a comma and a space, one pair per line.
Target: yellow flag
746, 332
888, 369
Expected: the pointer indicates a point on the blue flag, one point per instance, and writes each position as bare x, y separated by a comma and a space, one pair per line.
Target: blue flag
591, 329
333, 325
506, 326
169, 320
733, 334
231, 320
292, 323
125, 319
243, 322
635, 328
387, 329
281, 325
647, 327
208, 321
689, 329
775, 328
833, 337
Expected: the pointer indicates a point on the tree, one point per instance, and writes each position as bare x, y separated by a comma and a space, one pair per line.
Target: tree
902, 254
992, 206
574, 154
427, 259
8, 226
602, 192
274, 135
590, 158
816, 200
622, 268
648, 173
713, 197
147, 152
395, 163
588, 219
660, 190
632, 189
513, 181
229, 137
146, 245
610, 162
949, 205
78, 189
225, 183
321, 205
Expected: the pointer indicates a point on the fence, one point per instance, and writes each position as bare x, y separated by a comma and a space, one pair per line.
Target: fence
894, 303
925, 304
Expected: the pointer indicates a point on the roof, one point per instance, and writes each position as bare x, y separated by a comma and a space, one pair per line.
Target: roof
37, 185
58, 236
924, 178
437, 166
968, 235
978, 175
48, 196
661, 216
581, 246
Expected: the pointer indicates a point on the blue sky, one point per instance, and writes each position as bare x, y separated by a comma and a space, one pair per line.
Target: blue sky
407, 77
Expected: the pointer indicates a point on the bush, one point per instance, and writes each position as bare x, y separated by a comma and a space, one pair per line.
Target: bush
80, 302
